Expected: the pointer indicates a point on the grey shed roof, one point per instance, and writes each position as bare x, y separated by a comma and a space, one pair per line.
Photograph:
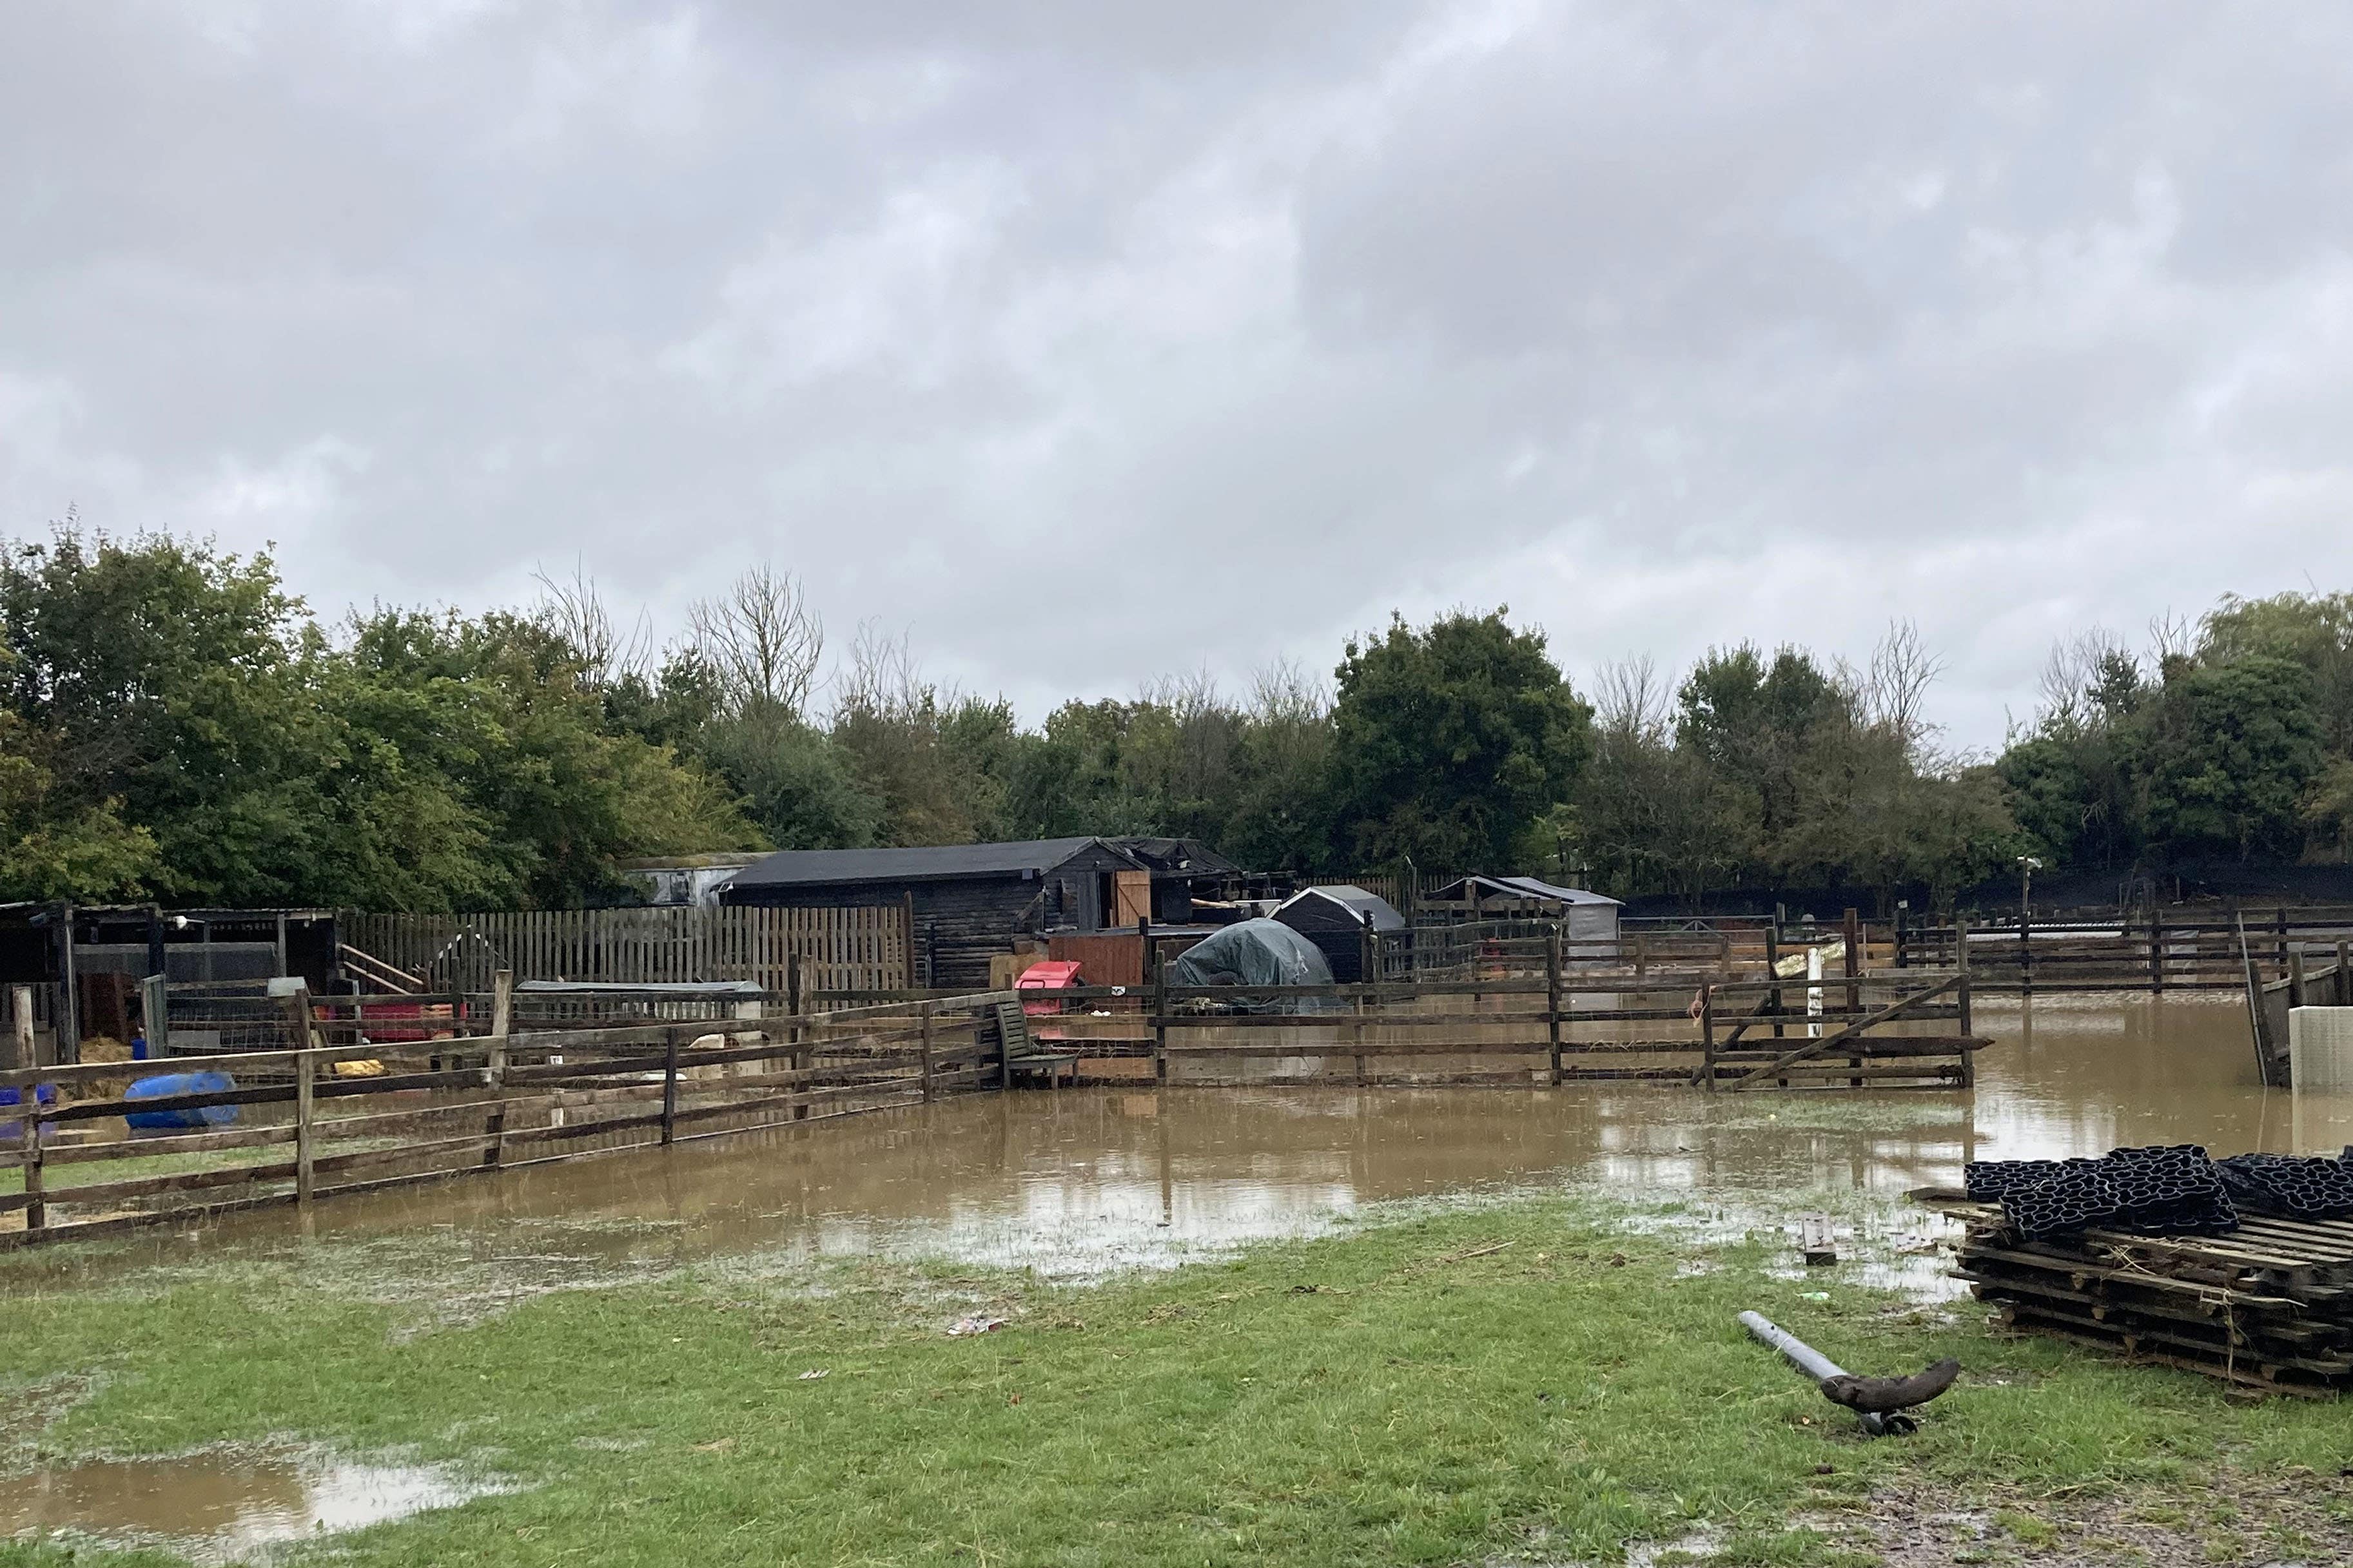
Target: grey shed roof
1523, 887
944, 862
1349, 898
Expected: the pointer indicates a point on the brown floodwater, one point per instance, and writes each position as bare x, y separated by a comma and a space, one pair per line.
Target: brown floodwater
218, 1507
1079, 1182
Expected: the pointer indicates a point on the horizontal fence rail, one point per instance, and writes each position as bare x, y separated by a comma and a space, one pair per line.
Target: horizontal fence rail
325, 1120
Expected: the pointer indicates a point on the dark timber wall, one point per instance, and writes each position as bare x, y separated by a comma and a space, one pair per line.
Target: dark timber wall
960, 922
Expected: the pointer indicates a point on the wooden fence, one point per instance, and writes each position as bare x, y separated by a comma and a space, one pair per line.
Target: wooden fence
862, 949
1536, 1011
325, 1120
2154, 954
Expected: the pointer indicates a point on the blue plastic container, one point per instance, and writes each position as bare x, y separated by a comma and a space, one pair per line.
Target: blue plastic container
43, 1094
165, 1086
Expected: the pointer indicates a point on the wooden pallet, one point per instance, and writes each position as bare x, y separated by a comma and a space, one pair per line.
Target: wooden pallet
2268, 1306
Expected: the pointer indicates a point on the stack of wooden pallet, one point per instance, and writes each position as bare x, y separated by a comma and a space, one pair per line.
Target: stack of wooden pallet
2268, 1306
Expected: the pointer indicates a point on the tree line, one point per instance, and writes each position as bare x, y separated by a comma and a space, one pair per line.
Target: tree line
175, 725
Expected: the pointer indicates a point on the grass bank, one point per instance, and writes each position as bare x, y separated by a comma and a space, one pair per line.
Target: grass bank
1528, 1382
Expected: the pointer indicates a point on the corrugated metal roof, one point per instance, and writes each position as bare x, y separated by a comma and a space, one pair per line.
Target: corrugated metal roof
816, 868
1524, 887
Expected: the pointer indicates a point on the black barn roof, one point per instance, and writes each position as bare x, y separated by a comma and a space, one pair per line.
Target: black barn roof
943, 862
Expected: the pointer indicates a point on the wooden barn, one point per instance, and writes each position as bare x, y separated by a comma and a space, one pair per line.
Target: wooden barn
965, 902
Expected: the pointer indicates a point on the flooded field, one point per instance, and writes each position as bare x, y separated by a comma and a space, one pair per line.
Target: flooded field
215, 1507
1081, 1180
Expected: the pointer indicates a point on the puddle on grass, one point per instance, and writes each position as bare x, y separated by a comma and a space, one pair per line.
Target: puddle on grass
1084, 1183
215, 1507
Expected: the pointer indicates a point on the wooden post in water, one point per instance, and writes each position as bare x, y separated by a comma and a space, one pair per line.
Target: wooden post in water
1367, 968
799, 989
1852, 940
306, 1071
2155, 949
669, 1083
1552, 1001
925, 1011
1961, 962
1159, 1016
494, 1068
1707, 1037
2025, 952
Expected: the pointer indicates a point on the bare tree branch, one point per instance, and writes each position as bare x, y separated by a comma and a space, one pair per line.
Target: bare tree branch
760, 640
573, 611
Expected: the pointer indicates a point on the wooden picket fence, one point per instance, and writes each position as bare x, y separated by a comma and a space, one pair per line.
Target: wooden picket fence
863, 949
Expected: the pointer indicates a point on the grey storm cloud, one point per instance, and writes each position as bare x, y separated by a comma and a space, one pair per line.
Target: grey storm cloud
1089, 343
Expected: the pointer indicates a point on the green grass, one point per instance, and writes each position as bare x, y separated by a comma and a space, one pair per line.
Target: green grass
1527, 1380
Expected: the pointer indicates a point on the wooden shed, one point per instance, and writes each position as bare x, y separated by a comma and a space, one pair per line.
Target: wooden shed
1182, 869
1584, 916
965, 902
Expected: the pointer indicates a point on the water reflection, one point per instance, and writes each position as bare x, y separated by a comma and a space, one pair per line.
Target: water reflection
212, 1508
1078, 1182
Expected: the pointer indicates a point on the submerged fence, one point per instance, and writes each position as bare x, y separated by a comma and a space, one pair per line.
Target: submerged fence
328, 1120
2151, 951
1542, 1010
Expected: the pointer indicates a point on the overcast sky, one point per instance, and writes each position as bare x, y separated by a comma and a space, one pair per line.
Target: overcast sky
1091, 341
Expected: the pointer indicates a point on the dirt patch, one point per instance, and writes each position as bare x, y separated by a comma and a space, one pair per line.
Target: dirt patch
2298, 1520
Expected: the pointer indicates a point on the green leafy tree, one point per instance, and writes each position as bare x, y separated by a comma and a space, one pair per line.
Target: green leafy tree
2315, 630
52, 848
1752, 722
2232, 747
1450, 741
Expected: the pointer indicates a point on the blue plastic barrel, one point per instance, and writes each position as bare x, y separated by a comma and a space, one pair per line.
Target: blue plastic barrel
43, 1094
165, 1086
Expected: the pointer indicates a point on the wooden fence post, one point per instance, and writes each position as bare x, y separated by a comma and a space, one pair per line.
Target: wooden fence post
502, 1005
926, 1011
1552, 1001
2295, 978
2025, 954
1961, 962
1853, 938
1159, 1017
2279, 926
2344, 975
1707, 1037
306, 1068
1773, 971
2155, 949
28, 1138
155, 1016
669, 1083
20, 1025
799, 989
